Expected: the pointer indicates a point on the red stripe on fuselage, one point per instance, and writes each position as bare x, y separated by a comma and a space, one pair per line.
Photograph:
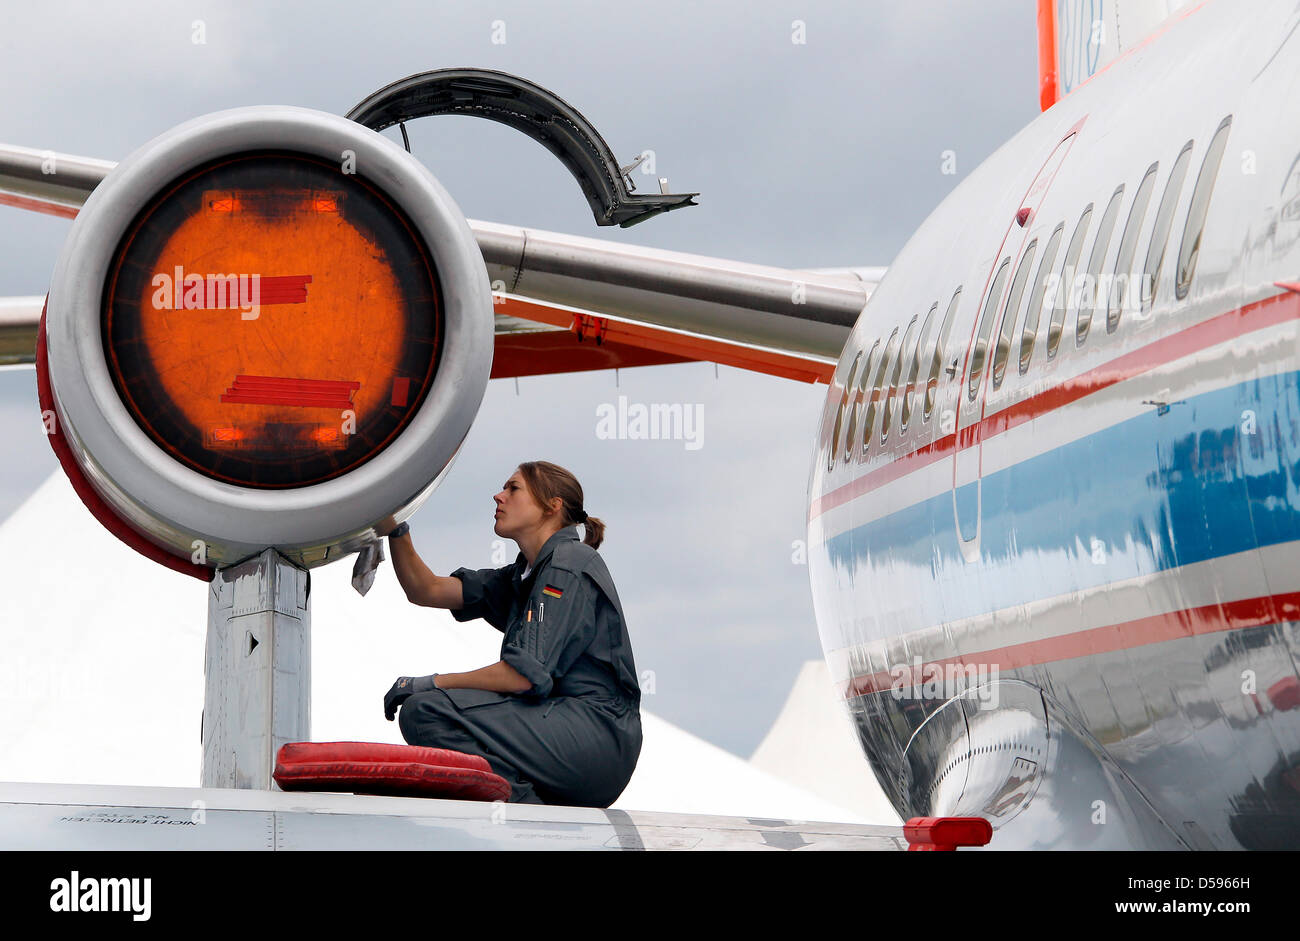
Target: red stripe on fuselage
1158, 628
1218, 329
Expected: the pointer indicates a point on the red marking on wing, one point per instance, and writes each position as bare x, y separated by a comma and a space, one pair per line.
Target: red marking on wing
275, 390
283, 289
401, 392
286, 289
36, 205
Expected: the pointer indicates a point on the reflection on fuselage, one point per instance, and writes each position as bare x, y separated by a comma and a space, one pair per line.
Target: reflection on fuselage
1105, 544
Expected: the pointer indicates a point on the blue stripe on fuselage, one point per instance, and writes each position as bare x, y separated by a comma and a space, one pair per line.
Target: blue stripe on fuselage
1156, 491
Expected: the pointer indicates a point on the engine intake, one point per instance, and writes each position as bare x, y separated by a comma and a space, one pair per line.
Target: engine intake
268, 327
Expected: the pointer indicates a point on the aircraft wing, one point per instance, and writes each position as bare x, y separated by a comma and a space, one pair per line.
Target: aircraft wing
83, 816
563, 303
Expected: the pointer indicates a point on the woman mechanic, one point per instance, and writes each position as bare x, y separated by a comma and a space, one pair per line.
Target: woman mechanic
558, 716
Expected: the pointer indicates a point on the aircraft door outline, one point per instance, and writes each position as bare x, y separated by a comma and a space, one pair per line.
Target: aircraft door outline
969, 413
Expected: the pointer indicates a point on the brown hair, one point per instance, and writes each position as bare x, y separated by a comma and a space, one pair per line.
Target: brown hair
546, 481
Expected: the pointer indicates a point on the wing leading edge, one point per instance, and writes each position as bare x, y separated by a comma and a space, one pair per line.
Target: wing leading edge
564, 303
106, 817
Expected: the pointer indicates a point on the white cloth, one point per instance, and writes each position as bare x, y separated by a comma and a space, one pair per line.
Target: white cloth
368, 559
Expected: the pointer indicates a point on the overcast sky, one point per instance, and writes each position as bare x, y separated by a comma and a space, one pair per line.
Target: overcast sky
813, 154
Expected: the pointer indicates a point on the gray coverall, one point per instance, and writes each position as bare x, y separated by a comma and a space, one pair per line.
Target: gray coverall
574, 737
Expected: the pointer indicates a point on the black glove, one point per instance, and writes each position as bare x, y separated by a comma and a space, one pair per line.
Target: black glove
403, 689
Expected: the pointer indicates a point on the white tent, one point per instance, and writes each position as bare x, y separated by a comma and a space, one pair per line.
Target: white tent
101, 675
812, 745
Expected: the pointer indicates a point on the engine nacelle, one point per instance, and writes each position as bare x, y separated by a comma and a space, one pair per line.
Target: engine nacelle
268, 327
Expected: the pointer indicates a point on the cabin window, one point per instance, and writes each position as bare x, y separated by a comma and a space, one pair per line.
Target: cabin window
876, 388
980, 351
864, 374
936, 360
887, 418
1164, 222
1196, 213
1089, 290
909, 393
844, 405
1060, 295
1029, 335
1123, 287
1003, 351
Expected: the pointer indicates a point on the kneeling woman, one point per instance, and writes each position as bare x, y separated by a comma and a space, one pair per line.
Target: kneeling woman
558, 716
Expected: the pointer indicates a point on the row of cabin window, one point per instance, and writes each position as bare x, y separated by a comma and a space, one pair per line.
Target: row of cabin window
1065, 290
1082, 288
860, 373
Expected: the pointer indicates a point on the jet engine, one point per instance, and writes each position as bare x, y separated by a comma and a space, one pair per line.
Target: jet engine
268, 327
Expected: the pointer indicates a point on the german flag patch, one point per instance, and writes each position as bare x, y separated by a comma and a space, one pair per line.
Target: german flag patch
552, 591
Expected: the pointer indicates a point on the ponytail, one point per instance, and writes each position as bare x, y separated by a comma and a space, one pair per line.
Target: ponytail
546, 481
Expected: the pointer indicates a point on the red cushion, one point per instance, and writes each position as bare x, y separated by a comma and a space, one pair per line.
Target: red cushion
395, 770
1285, 693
